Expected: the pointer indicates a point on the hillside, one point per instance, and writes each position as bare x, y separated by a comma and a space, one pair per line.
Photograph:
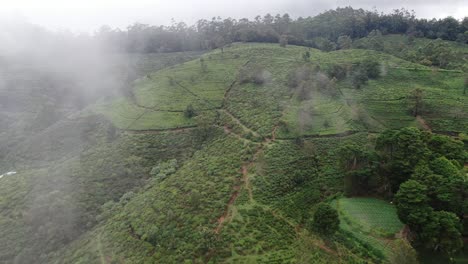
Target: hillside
235, 200
220, 157
160, 99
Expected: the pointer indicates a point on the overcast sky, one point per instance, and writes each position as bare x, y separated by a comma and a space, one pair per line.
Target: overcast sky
88, 15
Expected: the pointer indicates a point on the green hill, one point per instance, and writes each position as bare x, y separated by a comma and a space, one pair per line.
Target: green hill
160, 99
219, 159
234, 200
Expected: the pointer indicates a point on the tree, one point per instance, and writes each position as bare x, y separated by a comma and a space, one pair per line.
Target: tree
400, 151
306, 56
325, 220
358, 166
324, 44
220, 42
416, 101
344, 42
189, 111
359, 78
252, 74
375, 40
371, 67
204, 67
465, 85
337, 71
452, 149
411, 203
283, 41
442, 232
441, 192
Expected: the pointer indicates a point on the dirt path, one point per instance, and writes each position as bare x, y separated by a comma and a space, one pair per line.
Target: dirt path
231, 201
423, 123
255, 133
246, 180
297, 230
273, 133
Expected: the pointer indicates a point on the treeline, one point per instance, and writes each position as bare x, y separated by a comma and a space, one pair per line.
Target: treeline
322, 30
423, 174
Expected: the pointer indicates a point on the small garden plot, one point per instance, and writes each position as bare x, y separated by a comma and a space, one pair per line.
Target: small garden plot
371, 215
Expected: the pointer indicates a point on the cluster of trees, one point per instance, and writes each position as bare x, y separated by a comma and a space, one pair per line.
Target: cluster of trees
424, 173
328, 31
359, 73
307, 78
437, 53
252, 73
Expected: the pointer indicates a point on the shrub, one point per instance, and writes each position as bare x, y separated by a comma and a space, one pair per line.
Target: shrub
189, 111
325, 220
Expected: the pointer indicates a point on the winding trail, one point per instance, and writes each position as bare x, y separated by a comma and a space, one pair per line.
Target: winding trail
242, 125
225, 215
423, 123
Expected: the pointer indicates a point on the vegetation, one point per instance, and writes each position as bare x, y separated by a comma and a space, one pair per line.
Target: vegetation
321, 31
371, 223
325, 220
328, 142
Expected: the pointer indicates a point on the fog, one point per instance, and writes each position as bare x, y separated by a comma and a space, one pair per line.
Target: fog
88, 15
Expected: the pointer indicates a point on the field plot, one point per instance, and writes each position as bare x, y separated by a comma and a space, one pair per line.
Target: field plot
373, 222
372, 215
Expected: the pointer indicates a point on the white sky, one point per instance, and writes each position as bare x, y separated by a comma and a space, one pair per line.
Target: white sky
89, 15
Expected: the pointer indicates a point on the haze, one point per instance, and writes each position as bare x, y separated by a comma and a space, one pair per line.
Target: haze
89, 15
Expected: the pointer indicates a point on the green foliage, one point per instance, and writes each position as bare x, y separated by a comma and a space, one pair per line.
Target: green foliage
411, 200
283, 41
452, 149
189, 112
371, 68
338, 71
171, 217
306, 56
374, 41
436, 52
164, 169
442, 231
370, 224
404, 253
416, 102
421, 50
325, 220
358, 165
324, 44
252, 74
344, 42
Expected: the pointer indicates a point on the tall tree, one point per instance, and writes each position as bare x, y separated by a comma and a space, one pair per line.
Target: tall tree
416, 101
344, 42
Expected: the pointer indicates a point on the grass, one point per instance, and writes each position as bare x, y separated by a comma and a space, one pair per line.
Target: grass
373, 215
371, 221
